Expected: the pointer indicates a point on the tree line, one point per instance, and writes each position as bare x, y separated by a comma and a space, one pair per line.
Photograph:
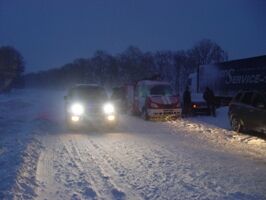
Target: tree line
12, 67
129, 66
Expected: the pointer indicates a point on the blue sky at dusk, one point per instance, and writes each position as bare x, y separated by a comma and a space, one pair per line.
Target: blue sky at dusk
50, 33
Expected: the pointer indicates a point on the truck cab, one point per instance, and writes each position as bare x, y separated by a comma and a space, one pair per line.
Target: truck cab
155, 99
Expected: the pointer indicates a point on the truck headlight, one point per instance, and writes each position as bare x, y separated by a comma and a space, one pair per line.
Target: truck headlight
108, 108
77, 109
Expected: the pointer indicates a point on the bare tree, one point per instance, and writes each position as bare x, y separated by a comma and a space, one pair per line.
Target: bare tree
11, 66
207, 52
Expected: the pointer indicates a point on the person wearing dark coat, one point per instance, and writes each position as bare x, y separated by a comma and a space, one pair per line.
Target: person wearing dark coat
209, 97
186, 103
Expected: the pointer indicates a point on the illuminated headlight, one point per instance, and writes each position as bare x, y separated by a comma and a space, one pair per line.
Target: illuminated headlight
77, 109
108, 108
111, 118
75, 118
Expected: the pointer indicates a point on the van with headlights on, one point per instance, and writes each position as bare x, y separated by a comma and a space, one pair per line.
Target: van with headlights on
88, 105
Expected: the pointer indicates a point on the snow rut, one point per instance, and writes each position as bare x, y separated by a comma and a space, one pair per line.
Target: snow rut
156, 165
155, 173
70, 169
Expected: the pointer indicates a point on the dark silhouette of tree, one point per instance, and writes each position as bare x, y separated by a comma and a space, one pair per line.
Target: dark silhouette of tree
207, 52
11, 67
164, 63
181, 61
129, 66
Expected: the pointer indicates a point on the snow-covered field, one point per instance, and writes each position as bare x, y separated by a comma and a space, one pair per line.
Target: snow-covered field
192, 158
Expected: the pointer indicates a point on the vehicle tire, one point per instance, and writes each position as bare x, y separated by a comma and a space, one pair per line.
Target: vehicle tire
236, 125
144, 114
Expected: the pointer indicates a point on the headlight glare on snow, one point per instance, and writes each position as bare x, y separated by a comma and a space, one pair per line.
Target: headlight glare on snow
108, 108
77, 109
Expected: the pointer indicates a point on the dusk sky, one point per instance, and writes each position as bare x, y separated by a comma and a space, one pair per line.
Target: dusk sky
50, 33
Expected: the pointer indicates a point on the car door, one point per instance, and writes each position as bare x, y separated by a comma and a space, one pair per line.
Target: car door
259, 113
235, 105
246, 111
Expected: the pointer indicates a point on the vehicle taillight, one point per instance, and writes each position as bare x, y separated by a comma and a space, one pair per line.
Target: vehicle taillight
194, 106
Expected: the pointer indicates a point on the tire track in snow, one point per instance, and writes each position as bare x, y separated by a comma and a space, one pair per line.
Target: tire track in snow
143, 166
113, 171
92, 171
148, 176
59, 173
68, 169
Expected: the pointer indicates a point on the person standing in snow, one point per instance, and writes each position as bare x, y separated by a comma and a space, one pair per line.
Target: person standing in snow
186, 103
209, 97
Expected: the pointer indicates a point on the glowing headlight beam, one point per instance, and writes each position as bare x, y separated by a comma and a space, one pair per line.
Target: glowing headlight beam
108, 108
75, 118
111, 118
77, 109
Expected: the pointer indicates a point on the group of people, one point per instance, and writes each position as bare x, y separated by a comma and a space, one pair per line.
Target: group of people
208, 96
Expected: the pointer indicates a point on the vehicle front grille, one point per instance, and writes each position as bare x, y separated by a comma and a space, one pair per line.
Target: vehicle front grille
168, 106
94, 109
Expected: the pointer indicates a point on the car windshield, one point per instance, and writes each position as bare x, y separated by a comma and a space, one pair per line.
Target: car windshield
161, 90
94, 93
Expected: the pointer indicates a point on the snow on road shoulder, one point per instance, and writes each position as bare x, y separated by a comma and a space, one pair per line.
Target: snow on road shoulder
217, 131
19, 148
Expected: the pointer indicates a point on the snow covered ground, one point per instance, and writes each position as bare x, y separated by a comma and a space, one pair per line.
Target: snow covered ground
192, 158
217, 131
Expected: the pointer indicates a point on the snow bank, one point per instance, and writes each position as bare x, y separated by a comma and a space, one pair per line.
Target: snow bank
217, 130
20, 120
13, 110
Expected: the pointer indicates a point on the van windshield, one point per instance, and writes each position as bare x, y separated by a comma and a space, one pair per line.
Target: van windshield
94, 93
165, 90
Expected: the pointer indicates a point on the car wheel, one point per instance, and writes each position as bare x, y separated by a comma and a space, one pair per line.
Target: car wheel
236, 124
144, 114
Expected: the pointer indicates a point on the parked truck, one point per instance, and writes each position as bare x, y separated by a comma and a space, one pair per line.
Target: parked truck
227, 78
155, 99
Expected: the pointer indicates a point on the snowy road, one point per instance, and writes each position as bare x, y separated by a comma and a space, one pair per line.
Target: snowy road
143, 160
138, 160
